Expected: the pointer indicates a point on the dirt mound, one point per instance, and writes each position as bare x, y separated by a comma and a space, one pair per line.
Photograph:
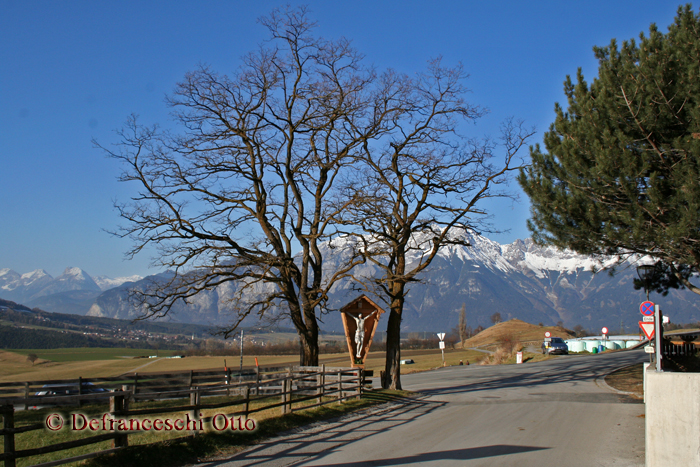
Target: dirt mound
515, 330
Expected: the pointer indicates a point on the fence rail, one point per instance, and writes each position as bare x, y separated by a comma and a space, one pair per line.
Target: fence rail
294, 386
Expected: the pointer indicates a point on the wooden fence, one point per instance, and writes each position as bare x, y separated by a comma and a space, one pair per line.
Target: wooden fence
296, 388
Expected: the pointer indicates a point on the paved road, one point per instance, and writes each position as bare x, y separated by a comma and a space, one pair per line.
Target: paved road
553, 413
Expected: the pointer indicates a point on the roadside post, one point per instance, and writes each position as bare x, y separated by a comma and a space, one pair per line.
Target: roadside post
547, 340
441, 336
603, 347
659, 331
647, 325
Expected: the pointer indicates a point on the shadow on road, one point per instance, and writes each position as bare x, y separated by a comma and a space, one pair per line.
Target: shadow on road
574, 371
311, 444
455, 454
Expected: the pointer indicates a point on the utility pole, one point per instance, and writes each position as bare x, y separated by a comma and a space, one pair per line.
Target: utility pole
240, 372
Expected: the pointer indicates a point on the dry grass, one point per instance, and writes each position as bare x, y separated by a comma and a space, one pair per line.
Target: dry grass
516, 330
15, 367
628, 379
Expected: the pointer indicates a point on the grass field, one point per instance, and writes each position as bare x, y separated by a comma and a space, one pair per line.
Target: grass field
95, 363
84, 354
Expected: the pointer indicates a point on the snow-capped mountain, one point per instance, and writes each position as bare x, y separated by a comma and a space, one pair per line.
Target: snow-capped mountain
518, 280
71, 292
106, 283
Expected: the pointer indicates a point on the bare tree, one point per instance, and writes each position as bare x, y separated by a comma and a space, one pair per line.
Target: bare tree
239, 191
462, 326
496, 318
32, 357
419, 193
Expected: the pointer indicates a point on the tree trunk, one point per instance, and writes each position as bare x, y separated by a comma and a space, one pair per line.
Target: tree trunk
392, 370
309, 352
308, 340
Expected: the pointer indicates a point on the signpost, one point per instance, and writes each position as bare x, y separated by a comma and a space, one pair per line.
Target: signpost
605, 333
441, 336
659, 331
652, 325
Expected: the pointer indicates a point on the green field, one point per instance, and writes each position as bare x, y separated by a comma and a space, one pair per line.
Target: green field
86, 354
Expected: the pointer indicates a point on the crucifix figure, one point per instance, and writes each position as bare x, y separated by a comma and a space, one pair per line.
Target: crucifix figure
360, 331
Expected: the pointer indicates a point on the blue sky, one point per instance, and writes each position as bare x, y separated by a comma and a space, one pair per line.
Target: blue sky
73, 71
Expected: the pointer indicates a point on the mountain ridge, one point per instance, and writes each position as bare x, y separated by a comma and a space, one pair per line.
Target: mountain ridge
518, 280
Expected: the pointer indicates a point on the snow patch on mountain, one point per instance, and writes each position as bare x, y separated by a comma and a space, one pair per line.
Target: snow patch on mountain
106, 283
31, 277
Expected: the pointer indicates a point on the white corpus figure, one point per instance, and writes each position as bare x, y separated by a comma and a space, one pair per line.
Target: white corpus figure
360, 332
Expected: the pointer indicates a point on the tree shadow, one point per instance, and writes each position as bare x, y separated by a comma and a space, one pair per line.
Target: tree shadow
455, 454
310, 443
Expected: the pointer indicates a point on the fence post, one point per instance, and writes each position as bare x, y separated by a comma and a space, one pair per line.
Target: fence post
290, 385
246, 399
320, 382
116, 408
191, 379
340, 386
284, 396
80, 391
26, 395
360, 377
8, 423
195, 397
136, 383
257, 380
227, 380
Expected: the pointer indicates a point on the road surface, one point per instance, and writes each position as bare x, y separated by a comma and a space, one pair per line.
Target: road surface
553, 413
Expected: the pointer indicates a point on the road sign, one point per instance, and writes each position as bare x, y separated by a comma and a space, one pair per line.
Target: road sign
441, 335
648, 319
605, 330
649, 349
647, 308
547, 334
648, 329
442, 344
665, 319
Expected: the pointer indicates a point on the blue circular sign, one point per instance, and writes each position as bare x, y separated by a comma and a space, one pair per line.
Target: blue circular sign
647, 308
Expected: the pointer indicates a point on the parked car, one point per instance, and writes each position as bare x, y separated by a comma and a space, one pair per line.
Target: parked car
51, 390
69, 389
556, 345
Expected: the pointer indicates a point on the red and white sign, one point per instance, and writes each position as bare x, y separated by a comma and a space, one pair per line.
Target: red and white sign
648, 329
647, 308
605, 330
547, 334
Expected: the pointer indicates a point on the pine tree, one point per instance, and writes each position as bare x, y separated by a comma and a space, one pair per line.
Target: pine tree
621, 170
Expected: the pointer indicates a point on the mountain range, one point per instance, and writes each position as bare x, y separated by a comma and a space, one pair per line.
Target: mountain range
518, 280
73, 292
